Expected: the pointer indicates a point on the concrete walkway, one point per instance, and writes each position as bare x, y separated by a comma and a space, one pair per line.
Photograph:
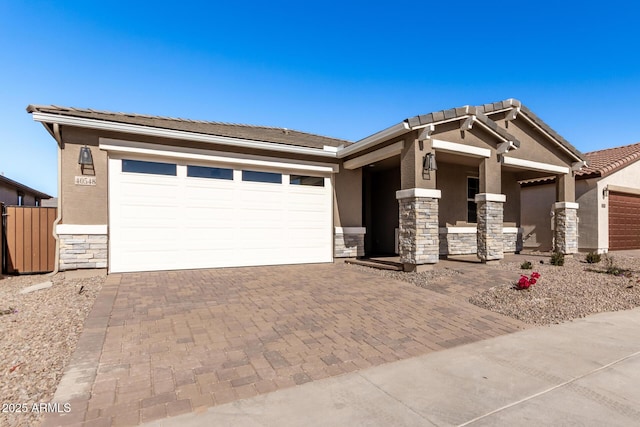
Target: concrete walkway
583, 373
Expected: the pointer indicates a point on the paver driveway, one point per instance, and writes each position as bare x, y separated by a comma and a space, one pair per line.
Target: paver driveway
164, 343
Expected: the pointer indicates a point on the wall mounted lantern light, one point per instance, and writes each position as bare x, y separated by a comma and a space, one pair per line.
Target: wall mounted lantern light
85, 160
605, 192
429, 162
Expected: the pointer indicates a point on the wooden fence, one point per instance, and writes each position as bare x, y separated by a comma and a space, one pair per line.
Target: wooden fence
29, 243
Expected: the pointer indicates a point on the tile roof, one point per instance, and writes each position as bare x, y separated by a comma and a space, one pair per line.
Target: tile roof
232, 130
489, 109
605, 162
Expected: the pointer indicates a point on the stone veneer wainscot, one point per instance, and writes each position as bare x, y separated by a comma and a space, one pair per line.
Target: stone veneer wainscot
82, 246
349, 242
464, 240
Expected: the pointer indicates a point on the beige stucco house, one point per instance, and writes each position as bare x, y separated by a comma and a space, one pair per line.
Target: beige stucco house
608, 192
142, 193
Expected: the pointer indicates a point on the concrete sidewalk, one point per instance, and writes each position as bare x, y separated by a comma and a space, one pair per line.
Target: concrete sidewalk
584, 373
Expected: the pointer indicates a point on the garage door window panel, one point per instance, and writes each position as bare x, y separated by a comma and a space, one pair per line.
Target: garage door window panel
313, 181
267, 177
209, 172
152, 168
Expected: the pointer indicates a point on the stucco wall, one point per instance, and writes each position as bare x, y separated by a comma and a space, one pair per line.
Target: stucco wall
588, 229
83, 204
452, 182
533, 146
347, 206
536, 205
511, 189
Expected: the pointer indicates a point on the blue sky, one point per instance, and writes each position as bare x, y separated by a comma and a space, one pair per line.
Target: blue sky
342, 69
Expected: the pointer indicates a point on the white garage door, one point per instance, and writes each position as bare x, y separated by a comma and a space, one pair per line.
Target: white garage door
168, 215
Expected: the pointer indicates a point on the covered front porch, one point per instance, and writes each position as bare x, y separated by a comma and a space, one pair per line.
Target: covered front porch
448, 186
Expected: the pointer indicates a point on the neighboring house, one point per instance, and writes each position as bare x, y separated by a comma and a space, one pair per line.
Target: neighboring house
13, 193
156, 193
608, 192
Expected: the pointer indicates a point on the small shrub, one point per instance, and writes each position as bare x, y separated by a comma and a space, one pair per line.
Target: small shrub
611, 267
557, 258
526, 265
593, 258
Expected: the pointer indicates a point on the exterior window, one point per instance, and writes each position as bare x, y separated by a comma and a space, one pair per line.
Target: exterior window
255, 176
154, 168
20, 198
473, 188
212, 173
315, 181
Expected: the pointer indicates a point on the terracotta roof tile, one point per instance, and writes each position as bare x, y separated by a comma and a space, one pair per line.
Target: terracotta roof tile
605, 162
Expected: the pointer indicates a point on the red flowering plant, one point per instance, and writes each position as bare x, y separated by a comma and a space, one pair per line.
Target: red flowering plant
525, 281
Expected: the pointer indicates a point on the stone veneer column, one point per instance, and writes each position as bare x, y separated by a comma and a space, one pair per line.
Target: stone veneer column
418, 234
348, 242
566, 227
490, 222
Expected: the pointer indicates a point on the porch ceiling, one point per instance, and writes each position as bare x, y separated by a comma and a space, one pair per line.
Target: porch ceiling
442, 157
388, 163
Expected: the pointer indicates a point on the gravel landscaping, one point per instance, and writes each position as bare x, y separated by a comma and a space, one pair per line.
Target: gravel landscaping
38, 333
567, 292
562, 293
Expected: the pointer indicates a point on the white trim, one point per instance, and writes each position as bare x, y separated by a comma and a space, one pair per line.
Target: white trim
490, 197
458, 230
620, 189
418, 192
81, 229
177, 134
473, 230
350, 230
530, 164
466, 150
565, 205
511, 230
121, 146
375, 156
376, 138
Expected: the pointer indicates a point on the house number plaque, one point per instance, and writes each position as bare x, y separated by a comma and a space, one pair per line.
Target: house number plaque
85, 180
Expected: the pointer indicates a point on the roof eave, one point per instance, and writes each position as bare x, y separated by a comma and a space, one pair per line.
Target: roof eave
426, 120
62, 119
